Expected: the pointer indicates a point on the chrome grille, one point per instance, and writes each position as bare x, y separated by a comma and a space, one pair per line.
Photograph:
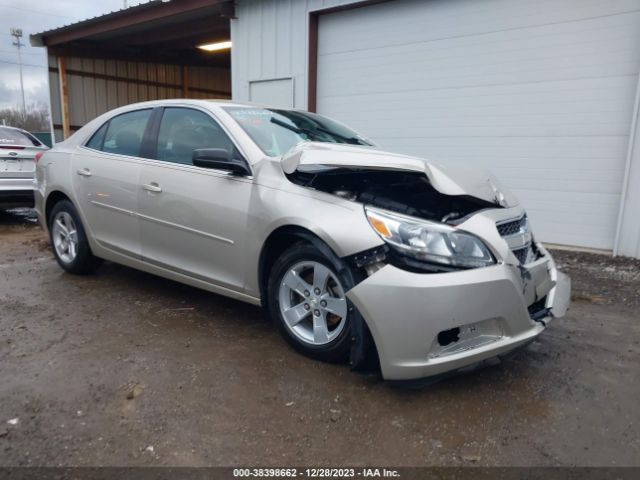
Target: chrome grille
517, 232
512, 227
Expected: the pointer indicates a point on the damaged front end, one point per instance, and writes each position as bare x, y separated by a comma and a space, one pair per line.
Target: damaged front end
415, 206
408, 193
458, 277
309, 159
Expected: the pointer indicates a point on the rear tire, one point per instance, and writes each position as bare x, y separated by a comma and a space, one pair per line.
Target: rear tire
307, 302
69, 240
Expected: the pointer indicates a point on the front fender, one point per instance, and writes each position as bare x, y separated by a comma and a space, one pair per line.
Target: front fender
341, 224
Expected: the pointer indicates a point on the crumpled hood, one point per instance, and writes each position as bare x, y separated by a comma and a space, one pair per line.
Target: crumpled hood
450, 180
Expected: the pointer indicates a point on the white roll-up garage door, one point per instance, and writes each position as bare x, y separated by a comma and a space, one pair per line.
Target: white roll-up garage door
541, 93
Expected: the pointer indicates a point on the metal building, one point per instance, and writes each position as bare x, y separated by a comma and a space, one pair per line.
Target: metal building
145, 52
544, 94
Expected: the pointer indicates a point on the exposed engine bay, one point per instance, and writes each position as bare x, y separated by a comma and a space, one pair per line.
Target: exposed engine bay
405, 192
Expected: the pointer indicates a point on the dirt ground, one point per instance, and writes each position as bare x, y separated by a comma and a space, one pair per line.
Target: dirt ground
124, 368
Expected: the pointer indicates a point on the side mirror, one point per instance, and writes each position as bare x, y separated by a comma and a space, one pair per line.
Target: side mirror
219, 159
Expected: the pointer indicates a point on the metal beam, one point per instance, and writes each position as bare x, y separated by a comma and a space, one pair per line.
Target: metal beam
135, 81
205, 28
157, 54
627, 239
119, 20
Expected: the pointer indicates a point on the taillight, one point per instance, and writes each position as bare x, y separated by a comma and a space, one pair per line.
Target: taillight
38, 156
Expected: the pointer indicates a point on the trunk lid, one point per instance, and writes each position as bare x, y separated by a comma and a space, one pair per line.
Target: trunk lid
18, 161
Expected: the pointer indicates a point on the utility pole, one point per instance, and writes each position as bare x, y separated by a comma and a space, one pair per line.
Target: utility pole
17, 33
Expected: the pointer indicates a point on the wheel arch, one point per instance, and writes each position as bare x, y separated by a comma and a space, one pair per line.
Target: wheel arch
277, 243
364, 353
53, 197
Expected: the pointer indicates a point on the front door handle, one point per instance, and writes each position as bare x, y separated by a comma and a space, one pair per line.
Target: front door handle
152, 187
85, 172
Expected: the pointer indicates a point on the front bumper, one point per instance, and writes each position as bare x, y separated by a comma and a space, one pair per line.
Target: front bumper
429, 324
16, 192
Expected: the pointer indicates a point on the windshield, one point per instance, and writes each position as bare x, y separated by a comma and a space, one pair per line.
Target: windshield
276, 131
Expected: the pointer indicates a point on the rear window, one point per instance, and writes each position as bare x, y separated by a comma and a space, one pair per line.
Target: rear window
9, 136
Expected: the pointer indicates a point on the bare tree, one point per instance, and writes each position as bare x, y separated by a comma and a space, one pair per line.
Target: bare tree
35, 119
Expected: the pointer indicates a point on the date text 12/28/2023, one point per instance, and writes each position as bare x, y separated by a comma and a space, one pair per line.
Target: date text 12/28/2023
315, 473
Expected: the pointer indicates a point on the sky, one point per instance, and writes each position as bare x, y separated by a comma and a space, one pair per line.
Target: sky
35, 16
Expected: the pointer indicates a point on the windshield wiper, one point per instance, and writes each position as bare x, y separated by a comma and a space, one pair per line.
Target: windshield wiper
290, 127
313, 133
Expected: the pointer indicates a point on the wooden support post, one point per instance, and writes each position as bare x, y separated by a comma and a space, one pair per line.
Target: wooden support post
64, 97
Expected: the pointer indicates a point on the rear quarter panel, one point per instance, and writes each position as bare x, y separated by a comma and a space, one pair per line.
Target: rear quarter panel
53, 174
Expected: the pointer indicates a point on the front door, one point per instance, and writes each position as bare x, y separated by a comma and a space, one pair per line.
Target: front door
106, 175
193, 220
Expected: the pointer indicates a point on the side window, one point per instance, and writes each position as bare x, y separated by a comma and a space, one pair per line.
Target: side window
124, 133
183, 130
98, 138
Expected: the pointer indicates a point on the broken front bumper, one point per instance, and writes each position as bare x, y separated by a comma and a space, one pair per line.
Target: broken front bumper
428, 324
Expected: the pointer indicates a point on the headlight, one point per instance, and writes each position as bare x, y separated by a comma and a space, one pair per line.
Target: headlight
429, 241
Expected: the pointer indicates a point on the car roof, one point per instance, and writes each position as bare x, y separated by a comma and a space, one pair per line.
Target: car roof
219, 103
13, 128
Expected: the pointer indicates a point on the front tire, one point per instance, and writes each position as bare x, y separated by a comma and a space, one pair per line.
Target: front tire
69, 240
308, 304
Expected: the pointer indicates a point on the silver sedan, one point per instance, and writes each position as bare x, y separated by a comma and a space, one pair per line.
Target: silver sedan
19, 151
389, 261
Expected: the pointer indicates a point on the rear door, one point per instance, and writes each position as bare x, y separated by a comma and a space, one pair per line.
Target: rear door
106, 171
193, 220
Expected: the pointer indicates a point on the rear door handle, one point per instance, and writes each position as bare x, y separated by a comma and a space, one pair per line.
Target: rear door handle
152, 187
85, 172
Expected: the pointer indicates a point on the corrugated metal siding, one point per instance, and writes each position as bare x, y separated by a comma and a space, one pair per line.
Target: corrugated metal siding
270, 41
98, 85
523, 88
539, 93
207, 78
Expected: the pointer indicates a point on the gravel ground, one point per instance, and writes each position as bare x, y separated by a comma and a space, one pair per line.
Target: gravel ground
124, 368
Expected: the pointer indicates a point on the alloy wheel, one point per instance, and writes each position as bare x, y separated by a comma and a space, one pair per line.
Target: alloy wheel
65, 237
312, 303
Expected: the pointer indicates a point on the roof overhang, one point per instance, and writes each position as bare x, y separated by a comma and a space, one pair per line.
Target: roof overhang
158, 30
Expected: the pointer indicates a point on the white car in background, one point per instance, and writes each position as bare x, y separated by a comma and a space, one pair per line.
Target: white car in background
18, 152
356, 253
